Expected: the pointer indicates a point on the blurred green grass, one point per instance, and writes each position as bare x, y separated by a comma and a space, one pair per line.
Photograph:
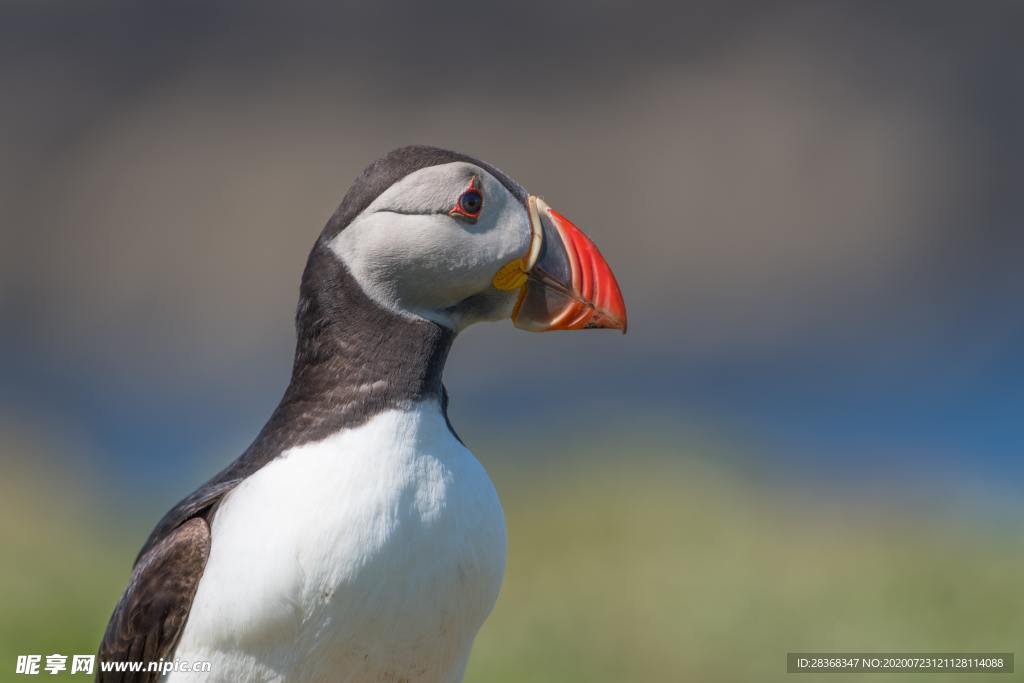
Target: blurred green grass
653, 569
649, 565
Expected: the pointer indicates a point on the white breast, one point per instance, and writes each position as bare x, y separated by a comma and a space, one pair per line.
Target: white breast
373, 555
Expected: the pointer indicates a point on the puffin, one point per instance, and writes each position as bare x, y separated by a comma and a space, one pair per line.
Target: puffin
357, 538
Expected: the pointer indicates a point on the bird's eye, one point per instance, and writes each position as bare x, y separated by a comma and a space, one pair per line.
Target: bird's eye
470, 202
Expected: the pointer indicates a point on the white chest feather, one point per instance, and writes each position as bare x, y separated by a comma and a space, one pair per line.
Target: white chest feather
373, 555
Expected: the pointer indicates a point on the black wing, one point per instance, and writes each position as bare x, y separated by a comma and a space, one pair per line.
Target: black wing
151, 615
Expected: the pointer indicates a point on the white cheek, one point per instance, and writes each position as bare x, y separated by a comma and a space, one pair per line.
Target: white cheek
409, 262
449, 261
416, 261
358, 247
423, 263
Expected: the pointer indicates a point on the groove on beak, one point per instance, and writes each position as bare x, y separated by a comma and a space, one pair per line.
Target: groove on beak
568, 283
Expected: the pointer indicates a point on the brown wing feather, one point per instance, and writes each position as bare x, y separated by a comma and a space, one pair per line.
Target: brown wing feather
151, 615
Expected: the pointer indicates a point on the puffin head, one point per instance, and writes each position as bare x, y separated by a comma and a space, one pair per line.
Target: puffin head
437, 235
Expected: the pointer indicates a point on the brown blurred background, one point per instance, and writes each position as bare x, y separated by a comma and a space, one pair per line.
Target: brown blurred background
813, 208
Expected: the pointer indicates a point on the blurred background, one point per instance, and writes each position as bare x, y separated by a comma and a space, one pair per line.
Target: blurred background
810, 438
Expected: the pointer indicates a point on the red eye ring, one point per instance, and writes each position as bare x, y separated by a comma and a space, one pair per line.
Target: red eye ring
470, 203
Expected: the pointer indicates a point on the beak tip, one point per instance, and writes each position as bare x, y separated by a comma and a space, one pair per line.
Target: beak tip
576, 289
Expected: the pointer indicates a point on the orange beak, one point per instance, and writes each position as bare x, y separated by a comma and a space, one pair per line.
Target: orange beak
568, 284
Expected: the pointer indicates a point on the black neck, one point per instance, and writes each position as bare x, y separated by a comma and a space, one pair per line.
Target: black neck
352, 355
353, 360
